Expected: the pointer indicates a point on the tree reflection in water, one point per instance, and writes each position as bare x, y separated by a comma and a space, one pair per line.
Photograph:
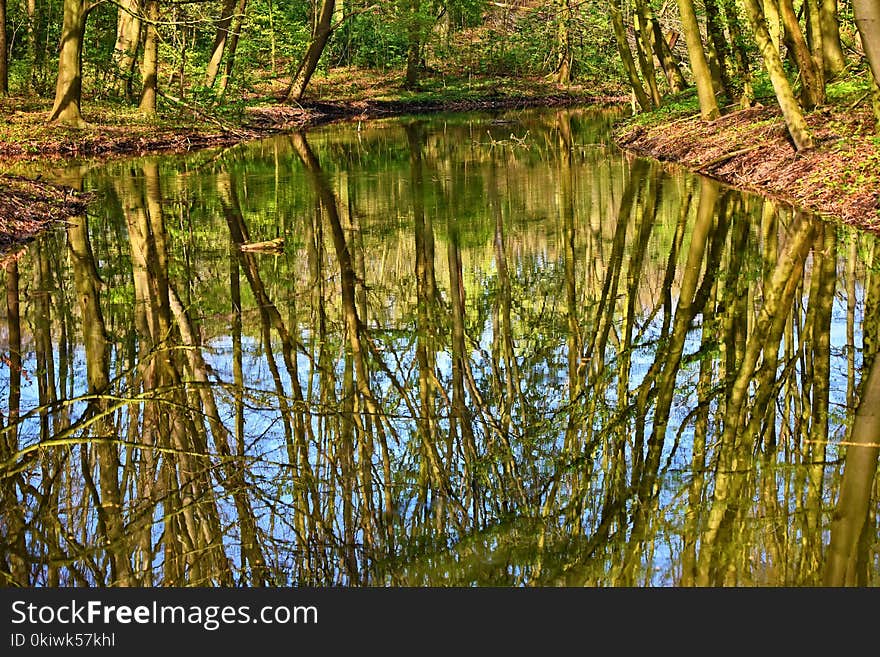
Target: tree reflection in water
479, 360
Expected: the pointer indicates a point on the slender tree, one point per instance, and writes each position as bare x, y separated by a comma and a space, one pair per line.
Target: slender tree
791, 111
320, 36
699, 65
128, 35
150, 64
4, 65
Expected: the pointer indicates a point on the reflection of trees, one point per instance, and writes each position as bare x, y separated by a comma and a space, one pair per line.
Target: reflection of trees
505, 363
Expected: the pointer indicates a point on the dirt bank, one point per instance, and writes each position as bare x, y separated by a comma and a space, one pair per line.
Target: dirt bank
27, 207
838, 179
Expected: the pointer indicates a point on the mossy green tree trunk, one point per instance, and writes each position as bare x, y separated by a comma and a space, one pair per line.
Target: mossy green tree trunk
223, 23
414, 31
699, 65
562, 72
812, 79
323, 30
791, 111
626, 57
832, 50
867, 15
4, 66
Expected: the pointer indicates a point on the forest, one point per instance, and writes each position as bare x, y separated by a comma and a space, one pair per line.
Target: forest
202, 55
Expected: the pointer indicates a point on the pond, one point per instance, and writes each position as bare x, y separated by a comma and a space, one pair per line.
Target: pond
476, 349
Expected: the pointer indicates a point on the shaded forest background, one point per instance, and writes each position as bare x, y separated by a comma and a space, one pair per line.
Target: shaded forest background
208, 56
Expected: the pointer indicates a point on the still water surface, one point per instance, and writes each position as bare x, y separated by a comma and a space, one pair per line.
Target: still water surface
484, 350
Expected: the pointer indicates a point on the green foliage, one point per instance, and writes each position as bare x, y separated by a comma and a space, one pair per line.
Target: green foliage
371, 40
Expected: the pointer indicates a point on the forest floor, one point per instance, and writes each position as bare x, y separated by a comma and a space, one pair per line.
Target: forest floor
839, 179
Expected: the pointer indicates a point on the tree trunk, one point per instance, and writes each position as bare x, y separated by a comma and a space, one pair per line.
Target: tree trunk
849, 520
626, 57
699, 66
414, 47
150, 65
645, 52
128, 35
835, 60
223, 24
791, 111
562, 73
740, 53
68, 88
4, 66
323, 30
34, 54
771, 11
233, 45
715, 31
867, 15
812, 84
674, 77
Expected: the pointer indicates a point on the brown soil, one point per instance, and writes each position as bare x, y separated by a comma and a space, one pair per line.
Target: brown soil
838, 179
27, 207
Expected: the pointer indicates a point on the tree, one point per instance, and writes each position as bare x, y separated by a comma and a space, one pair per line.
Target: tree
626, 57
321, 34
813, 83
832, 51
562, 72
128, 34
150, 65
68, 87
699, 66
867, 15
791, 111
4, 67
220, 38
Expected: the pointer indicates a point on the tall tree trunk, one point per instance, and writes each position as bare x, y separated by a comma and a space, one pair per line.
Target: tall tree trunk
674, 77
626, 57
219, 46
771, 11
4, 65
832, 51
414, 45
699, 66
812, 83
867, 15
860, 467
233, 45
740, 54
128, 35
68, 88
34, 53
791, 111
323, 30
715, 31
645, 52
562, 72
150, 65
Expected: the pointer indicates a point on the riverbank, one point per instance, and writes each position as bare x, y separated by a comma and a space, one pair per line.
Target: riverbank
28, 207
750, 149
839, 179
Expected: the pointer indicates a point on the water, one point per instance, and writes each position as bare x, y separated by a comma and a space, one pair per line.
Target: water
492, 350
